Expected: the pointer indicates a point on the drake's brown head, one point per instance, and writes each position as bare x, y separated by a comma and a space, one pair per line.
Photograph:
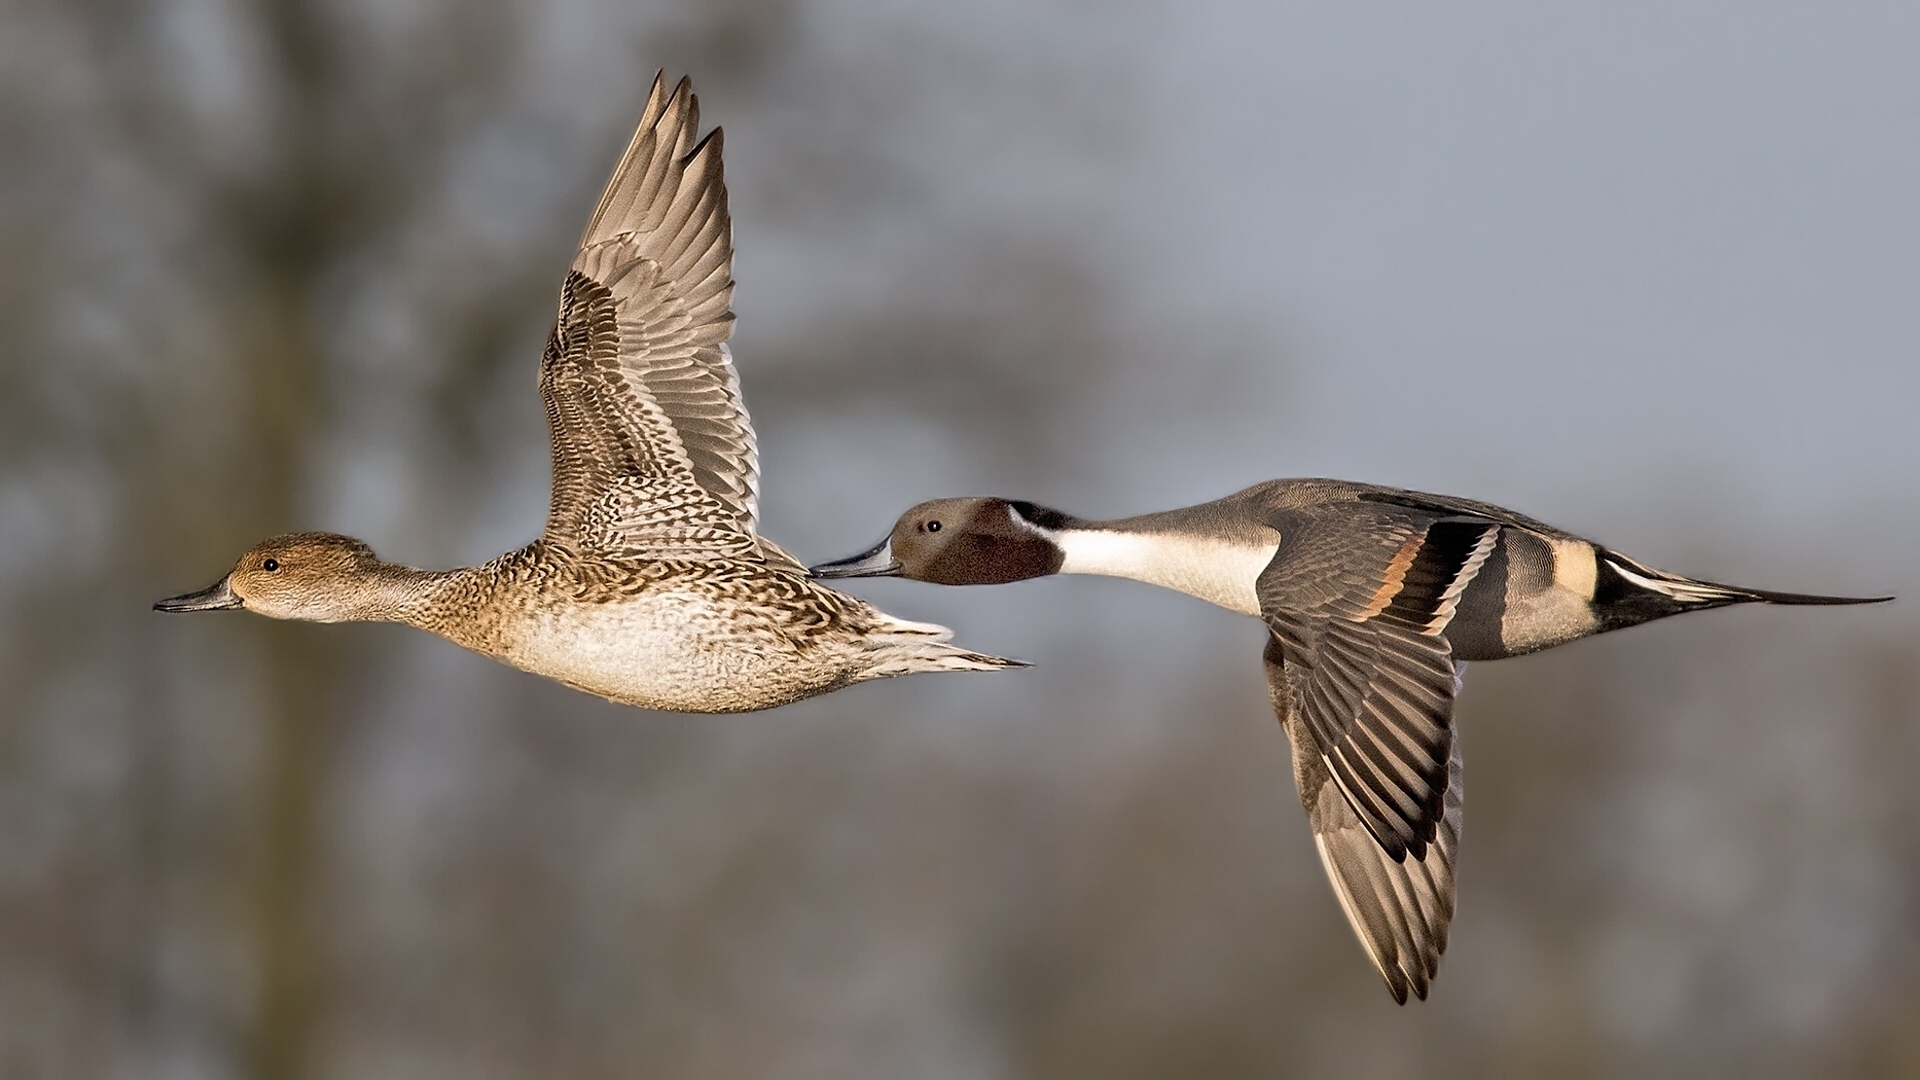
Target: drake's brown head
973, 541
321, 577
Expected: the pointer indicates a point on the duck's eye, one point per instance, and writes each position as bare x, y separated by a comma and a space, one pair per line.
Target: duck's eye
933, 526
270, 565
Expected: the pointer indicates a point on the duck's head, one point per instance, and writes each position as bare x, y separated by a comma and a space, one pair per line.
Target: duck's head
973, 541
319, 577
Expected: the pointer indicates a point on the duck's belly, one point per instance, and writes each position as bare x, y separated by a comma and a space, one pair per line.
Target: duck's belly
673, 652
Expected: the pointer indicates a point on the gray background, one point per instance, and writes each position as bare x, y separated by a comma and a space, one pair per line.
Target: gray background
1646, 271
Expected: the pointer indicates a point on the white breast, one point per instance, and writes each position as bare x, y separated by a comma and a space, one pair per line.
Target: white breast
1218, 571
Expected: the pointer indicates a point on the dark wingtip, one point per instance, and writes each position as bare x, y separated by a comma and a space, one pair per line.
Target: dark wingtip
1398, 988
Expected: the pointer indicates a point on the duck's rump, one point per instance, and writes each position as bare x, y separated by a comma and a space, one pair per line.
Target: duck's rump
1534, 591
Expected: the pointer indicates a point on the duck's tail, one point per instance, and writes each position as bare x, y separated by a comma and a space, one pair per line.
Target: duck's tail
1691, 595
907, 648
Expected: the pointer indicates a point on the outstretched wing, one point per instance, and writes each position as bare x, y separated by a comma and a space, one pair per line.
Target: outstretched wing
1399, 908
653, 453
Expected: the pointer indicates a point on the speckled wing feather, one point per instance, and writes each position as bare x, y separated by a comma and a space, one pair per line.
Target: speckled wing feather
1356, 606
1399, 908
653, 453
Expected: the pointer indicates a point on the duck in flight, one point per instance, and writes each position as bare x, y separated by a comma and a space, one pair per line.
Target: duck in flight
651, 585
1374, 599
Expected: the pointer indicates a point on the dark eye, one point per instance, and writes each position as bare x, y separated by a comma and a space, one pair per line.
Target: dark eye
270, 565
933, 526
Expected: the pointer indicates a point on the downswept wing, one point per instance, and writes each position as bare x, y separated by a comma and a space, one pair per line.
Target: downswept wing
1400, 909
1356, 615
653, 452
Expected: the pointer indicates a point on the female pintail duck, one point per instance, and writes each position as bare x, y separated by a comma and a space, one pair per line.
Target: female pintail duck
1374, 598
651, 585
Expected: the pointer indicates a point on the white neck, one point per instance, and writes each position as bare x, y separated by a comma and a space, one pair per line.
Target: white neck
1216, 570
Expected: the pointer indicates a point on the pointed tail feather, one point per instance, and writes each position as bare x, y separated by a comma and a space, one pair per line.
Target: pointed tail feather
901, 647
895, 627
911, 657
1695, 593
1766, 597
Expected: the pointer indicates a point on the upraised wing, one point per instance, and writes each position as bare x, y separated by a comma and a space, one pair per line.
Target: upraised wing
653, 452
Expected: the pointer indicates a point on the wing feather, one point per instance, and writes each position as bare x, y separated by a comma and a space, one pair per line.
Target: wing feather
1400, 908
653, 451
1357, 609
1363, 680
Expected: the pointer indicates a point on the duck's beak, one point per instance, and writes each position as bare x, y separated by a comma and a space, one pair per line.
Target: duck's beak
213, 598
878, 562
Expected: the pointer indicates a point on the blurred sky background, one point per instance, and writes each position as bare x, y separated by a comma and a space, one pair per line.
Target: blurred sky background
1650, 272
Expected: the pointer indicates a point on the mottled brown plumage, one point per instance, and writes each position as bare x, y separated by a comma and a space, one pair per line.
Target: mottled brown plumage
651, 585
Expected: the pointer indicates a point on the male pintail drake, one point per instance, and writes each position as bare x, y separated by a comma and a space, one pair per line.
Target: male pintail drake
651, 585
1374, 599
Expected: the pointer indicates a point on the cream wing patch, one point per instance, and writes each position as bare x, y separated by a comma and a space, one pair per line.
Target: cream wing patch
1576, 568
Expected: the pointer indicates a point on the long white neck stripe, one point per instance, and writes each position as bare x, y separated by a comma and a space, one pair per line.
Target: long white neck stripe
1217, 571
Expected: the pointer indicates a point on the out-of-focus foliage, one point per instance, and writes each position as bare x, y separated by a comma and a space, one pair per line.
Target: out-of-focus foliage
282, 264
